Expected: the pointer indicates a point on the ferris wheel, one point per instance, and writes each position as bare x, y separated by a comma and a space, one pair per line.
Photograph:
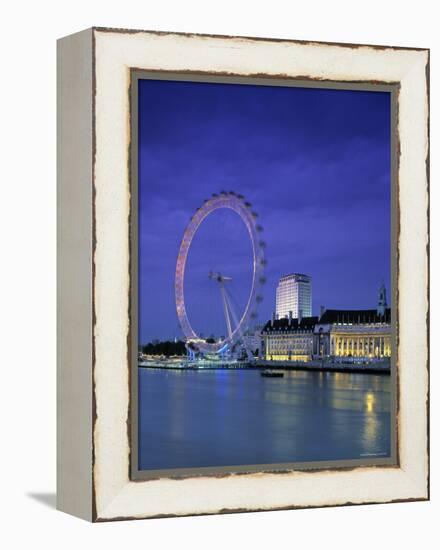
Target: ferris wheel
236, 324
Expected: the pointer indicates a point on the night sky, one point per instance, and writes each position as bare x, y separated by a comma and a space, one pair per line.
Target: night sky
314, 163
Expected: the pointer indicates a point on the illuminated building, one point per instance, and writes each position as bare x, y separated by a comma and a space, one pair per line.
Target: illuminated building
294, 295
361, 334
289, 339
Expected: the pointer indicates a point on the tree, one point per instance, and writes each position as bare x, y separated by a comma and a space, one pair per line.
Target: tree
166, 348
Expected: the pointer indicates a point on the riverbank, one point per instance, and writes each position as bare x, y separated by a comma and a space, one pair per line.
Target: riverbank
195, 365
382, 367
379, 367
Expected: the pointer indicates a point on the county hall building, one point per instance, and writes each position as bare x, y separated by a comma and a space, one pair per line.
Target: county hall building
362, 334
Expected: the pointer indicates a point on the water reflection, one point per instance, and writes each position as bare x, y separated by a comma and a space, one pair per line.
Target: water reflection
369, 402
220, 418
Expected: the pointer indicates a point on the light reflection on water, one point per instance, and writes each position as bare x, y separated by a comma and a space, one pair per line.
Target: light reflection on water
234, 417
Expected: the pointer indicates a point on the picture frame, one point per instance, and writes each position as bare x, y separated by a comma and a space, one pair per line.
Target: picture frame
97, 474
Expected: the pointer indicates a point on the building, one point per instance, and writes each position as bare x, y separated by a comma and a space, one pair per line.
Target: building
364, 334
289, 339
294, 296
339, 335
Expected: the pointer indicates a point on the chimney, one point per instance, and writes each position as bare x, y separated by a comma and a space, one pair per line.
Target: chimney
300, 316
290, 318
273, 319
321, 312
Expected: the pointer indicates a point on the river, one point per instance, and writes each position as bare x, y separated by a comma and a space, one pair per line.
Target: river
192, 419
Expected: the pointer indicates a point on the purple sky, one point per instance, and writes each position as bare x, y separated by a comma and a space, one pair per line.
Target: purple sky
314, 163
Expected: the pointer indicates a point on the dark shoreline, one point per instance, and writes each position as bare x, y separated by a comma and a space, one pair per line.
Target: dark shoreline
327, 368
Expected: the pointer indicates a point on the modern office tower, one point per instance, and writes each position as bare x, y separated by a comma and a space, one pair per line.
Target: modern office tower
294, 294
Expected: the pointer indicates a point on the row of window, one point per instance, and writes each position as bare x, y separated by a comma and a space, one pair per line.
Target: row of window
288, 340
363, 343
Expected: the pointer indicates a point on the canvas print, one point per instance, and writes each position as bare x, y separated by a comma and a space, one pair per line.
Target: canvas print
264, 278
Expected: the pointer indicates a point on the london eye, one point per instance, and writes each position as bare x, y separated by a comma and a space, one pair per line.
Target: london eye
236, 322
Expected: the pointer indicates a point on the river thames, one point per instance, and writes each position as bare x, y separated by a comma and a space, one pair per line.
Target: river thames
200, 418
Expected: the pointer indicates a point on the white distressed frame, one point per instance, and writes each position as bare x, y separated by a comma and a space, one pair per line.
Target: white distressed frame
115, 495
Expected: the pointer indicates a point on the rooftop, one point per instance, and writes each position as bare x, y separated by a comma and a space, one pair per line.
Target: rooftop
295, 276
330, 316
307, 323
354, 316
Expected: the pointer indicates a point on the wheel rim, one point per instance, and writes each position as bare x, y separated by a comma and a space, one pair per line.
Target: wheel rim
243, 209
